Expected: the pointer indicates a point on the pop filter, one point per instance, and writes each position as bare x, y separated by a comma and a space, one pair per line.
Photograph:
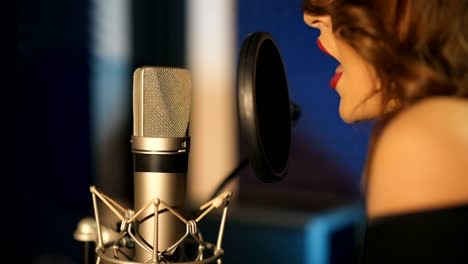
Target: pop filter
264, 108
265, 112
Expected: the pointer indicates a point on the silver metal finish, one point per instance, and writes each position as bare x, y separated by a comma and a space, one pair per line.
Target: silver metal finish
87, 231
172, 188
161, 113
148, 145
127, 235
161, 102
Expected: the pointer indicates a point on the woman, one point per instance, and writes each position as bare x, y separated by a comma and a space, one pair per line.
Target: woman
405, 65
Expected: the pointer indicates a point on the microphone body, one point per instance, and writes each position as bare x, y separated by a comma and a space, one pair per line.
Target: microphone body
160, 146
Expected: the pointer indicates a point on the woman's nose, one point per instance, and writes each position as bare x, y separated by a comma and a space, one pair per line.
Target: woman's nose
316, 21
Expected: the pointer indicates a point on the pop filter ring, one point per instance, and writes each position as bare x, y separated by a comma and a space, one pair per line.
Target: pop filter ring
264, 108
255, 45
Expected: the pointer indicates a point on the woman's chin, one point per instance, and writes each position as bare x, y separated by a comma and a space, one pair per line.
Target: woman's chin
349, 120
353, 119
358, 114
347, 116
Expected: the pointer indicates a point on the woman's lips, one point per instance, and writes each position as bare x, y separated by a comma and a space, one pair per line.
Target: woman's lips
336, 77
339, 70
321, 47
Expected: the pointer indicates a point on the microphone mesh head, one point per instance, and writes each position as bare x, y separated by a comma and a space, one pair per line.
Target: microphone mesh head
161, 101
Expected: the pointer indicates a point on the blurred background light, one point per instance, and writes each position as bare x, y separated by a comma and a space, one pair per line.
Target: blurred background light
211, 57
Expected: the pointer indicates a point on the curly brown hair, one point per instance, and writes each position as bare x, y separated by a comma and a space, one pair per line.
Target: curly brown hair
419, 48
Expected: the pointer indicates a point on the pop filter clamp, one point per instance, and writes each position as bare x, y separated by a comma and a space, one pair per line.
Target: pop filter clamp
265, 111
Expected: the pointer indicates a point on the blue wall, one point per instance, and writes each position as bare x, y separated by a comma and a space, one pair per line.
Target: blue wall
327, 154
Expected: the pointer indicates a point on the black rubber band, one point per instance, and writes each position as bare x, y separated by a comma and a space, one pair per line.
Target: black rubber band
175, 163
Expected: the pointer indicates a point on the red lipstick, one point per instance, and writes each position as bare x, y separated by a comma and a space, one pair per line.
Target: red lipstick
335, 79
321, 47
337, 76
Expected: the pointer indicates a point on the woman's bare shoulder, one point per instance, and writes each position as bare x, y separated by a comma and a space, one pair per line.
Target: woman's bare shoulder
421, 159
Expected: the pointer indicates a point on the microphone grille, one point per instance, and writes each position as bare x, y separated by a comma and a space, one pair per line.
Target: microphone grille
161, 101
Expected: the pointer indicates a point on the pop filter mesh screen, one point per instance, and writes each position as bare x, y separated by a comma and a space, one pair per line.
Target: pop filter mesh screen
272, 104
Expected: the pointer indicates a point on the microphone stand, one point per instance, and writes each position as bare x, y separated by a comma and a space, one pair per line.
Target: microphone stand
111, 244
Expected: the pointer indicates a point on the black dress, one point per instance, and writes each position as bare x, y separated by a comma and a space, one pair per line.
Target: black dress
432, 236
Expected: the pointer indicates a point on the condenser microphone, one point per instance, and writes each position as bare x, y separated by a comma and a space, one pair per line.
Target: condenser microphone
160, 146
